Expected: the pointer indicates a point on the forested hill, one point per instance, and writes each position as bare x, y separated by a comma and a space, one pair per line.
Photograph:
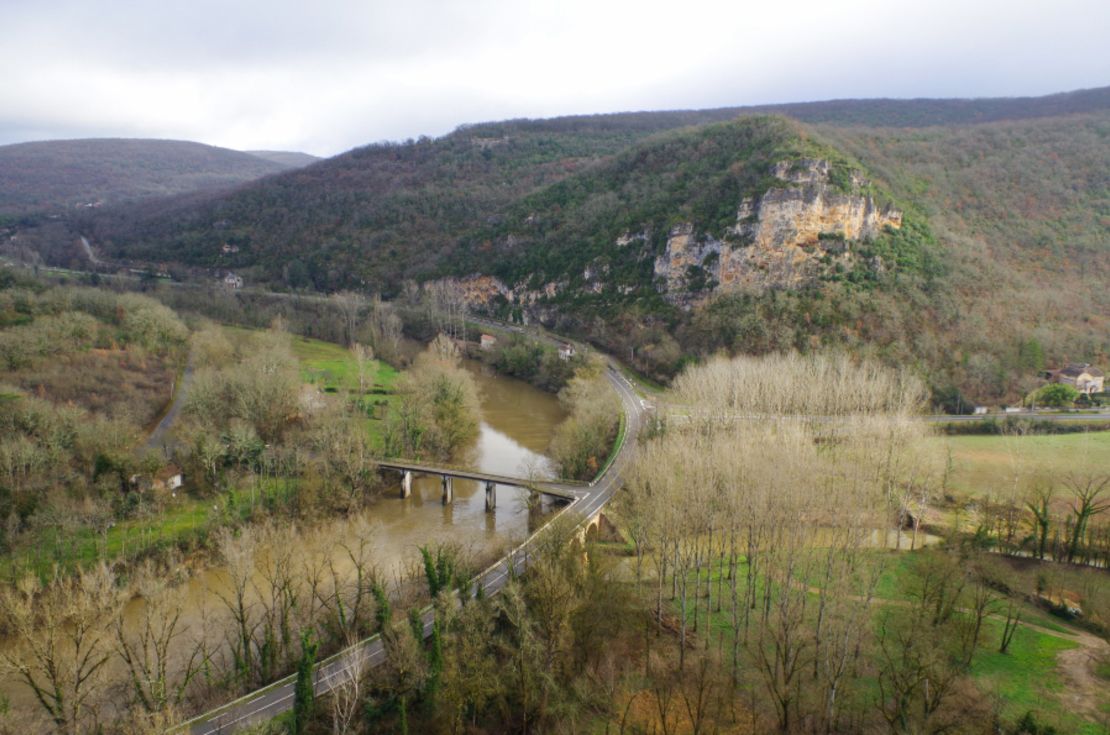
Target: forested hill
389, 211
907, 113
60, 175
966, 250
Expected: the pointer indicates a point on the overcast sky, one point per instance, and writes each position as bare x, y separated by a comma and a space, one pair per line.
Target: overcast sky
324, 76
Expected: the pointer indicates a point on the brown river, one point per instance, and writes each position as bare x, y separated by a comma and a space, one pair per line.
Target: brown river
518, 422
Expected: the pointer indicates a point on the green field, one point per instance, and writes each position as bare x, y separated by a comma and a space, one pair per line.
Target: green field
1025, 679
334, 370
179, 525
999, 465
125, 539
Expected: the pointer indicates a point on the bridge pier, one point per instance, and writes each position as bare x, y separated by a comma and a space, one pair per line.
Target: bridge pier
589, 530
406, 483
448, 489
491, 497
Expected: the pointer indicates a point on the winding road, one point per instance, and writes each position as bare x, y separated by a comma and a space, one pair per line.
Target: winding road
158, 437
277, 698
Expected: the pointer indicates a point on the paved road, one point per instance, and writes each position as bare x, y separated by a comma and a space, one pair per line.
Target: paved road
278, 697
158, 437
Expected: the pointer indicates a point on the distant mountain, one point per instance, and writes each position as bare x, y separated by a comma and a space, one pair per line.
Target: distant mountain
288, 159
966, 238
908, 113
60, 175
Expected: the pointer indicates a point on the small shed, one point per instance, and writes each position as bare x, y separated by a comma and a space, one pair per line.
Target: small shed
168, 478
487, 341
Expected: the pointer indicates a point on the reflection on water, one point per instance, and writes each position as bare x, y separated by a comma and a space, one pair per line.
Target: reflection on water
518, 422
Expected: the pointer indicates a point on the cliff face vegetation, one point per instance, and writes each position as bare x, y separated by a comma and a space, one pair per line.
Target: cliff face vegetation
781, 239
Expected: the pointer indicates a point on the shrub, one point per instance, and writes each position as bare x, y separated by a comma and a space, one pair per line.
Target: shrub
1058, 395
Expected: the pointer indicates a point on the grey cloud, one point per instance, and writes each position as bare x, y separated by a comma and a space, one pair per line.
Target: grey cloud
333, 74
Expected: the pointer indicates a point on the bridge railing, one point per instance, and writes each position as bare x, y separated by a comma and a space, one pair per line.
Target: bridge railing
451, 468
510, 561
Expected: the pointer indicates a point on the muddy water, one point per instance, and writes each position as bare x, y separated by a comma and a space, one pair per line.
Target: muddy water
518, 422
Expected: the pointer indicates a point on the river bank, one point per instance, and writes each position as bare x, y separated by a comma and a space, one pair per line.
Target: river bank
516, 427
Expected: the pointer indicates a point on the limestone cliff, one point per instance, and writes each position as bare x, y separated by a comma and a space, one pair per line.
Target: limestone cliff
780, 239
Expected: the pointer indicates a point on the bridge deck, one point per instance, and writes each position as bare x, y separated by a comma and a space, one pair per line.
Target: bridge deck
547, 487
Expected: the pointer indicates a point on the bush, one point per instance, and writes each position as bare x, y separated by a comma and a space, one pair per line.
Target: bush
1057, 395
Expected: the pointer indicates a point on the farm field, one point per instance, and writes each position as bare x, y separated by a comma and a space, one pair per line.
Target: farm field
996, 465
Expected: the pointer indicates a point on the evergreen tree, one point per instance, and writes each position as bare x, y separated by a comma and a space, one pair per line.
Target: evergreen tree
304, 694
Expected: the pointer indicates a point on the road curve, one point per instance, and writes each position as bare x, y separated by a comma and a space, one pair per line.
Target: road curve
277, 698
158, 438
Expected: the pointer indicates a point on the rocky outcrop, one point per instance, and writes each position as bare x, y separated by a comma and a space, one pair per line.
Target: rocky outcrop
780, 239
804, 224
480, 291
476, 290
684, 251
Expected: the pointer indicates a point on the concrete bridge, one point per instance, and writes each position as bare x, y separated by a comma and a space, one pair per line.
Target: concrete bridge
587, 501
563, 490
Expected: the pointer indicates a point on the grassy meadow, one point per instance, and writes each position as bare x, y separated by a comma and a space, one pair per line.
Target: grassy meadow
333, 369
1001, 465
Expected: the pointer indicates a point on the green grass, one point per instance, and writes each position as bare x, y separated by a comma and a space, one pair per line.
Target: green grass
334, 370
646, 386
331, 366
618, 442
1000, 464
1026, 677
71, 549
898, 570
173, 527
1102, 670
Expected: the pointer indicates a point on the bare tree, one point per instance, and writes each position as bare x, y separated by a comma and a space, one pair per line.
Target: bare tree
385, 328
363, 356
448, 307
1086, 492
238, 555
1010, 626
350, 305
62, 630
347, 693
150, 645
